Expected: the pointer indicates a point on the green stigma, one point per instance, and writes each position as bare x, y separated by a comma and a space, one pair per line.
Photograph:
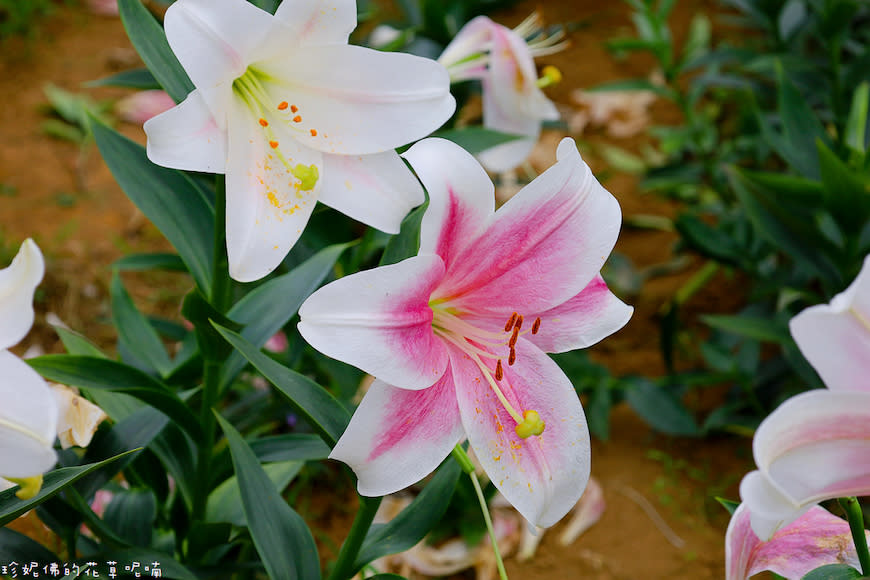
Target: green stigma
531, 425
307, 176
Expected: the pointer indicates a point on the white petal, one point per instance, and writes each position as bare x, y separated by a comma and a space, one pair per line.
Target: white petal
267, 205
380, 321
472, 39
187, 137
377, 189
78, 418
399, 99
18, 281
315, 22
397, 436
28, 420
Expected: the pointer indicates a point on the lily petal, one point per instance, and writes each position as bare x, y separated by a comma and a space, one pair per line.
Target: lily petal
378, 189
187, 137
271, 192
315, 22
18, 282
345, 112
461, 200
582, 321
28, 420
542, 247
815, 446
815, 539
541, 476
472, 39
835, 337
380, 321
390, 444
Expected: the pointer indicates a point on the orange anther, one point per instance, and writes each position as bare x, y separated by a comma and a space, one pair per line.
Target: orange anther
512, 357
499, 372
513, 341
283, 105
519, 323
273, 144
510, 323
536, 326
294, 108
314, 132
264, 123
297, 119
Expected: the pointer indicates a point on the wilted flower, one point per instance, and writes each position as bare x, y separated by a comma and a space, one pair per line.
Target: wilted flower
78, 418
456, 336
283, 107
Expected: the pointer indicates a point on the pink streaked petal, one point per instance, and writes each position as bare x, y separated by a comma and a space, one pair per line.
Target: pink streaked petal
398, 436
542, 477
378, 189
18, 282
187, 137
267, 205
315, 22
472, 39
770, 509
140, 106
461, 199
542, 247
582, 321
380, 321
816, 539
835, 337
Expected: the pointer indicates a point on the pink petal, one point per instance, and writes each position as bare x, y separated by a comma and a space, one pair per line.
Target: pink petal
397, 436
582, 321
472, 39
461, 200
543, 476
380, 321
541, 248
835, 337
140, 106
815, 539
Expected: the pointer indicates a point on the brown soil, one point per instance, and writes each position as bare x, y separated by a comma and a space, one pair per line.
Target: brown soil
64, 197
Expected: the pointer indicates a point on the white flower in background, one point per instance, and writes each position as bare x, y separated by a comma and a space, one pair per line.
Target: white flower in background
28, 411
293, 114
503, 60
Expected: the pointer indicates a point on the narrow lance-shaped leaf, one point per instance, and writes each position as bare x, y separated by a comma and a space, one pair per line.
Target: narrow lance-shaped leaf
134, 331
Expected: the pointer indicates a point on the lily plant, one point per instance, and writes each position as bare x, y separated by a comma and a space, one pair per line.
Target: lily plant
502, 59
29, 413
456, 336
293, 114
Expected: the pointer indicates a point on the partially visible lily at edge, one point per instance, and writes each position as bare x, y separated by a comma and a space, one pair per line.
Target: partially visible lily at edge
456, 336
816, 445
292, 114
28, 410
503, 60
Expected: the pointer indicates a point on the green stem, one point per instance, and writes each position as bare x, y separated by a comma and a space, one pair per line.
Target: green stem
856, 523
345, 565
465, 462
220, 283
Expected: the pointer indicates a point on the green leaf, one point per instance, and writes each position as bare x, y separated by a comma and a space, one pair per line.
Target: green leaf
225, 502
289, 447
660, 408
75, 343
406, 243
134, 330
131, 514
156, 261
197, 309
856, 125
800, 125
167, 197
15, 547
140, 78
325, 414
89, 372
150, 42
55, 481
728, 504
756, 327
166, 563
846, 192
282, 539
833, 572
270, 306
477, 139
414, 522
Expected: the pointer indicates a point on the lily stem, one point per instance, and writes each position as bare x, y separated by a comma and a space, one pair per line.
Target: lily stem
468, 467
345, 566
856, 523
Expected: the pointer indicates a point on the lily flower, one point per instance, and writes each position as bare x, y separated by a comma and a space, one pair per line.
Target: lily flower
293, 114
503, 60
28, 414
816, 445
815, 539
456, 335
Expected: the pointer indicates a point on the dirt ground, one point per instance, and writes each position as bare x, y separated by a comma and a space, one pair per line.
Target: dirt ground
660, 521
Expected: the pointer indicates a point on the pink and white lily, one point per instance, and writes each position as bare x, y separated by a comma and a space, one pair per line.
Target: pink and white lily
293, 114
815, 539
503, 60
28, 413
456, 335
816, 445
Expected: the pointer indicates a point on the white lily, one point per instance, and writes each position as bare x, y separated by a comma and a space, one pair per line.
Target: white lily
28, 413
293, 114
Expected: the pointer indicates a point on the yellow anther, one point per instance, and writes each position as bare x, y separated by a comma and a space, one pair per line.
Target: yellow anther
307, 176
552, 75
30, 486
531, 425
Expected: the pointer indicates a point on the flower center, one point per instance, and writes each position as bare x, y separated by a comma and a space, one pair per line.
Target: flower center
480, 344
